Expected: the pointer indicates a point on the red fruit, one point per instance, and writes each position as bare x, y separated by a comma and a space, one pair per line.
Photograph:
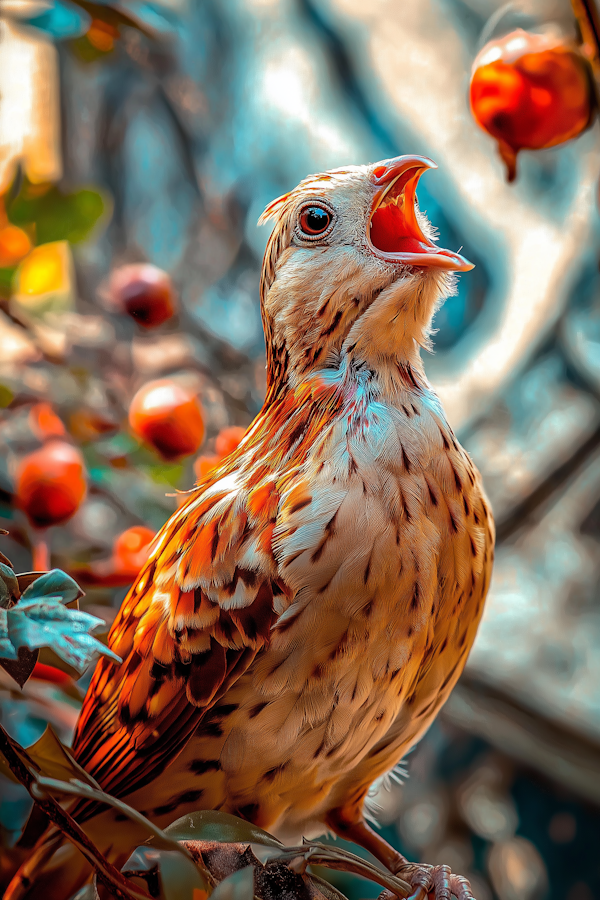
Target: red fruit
169, 417
530, 91
228, 439
44, 422
50, 673
205, 464
144, 292
50, 483
130, 550
102, 35
129, 553
14, 245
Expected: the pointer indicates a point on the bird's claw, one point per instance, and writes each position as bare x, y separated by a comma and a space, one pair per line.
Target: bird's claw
433, 882
461, 887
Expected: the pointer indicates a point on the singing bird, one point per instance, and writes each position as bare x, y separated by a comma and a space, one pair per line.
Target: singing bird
307, 610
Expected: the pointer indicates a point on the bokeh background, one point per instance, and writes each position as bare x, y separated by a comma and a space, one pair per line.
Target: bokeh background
158, 134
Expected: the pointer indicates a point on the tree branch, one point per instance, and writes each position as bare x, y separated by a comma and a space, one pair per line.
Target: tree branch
24, 769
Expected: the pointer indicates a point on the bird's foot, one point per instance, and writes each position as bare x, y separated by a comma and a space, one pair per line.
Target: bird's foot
431, 883
427, 882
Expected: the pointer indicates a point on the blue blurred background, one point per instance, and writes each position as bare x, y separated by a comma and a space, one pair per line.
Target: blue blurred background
182, 119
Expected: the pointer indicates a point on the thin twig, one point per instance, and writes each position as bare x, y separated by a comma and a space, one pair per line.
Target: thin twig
24, 769
80, 789
586, 13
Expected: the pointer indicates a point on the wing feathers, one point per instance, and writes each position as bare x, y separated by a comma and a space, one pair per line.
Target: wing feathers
188, 629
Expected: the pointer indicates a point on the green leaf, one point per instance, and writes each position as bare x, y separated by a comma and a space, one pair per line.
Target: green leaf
165, 473
46, 622
56, 761
212, 825
6, 396
57, 216
53, 759
178, 876
55, 583
160, 839
6, 280
238, 886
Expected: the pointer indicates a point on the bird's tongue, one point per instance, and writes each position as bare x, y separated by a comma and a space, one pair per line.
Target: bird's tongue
394, 226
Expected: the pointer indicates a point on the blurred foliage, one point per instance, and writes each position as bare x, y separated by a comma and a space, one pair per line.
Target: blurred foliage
53, 215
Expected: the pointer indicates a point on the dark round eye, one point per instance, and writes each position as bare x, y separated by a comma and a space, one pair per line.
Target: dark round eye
314, 220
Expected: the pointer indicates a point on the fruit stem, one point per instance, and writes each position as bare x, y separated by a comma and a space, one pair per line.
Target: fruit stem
40, 551
586, 13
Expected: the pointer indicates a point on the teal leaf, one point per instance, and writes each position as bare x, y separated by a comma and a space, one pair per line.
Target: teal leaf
55, 583
7, 650
46, 622
9, 586
212, 825
178, 876
18, 663
239, 886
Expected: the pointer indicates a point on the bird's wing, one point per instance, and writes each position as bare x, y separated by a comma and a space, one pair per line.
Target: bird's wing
200, 611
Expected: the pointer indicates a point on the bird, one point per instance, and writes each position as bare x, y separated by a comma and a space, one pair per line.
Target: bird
307, 610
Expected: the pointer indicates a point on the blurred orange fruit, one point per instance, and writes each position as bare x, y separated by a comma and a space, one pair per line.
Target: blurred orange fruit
14, 245
228, 439
168, 417
130, 550
44, 422
102, 35
50, 483
205, 464
144, 292
129, 553
530, 91
89, 424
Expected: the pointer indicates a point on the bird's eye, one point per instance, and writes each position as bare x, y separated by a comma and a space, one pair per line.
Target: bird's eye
314, 220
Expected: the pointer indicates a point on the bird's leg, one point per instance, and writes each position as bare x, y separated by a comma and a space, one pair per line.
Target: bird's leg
419, 877
426, 881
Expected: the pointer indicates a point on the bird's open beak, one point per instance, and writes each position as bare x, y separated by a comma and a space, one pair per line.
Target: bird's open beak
394, 233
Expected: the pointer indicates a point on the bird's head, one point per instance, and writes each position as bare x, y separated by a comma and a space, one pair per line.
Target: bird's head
351, 267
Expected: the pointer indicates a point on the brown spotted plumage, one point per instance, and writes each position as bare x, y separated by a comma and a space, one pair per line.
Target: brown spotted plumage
306, 612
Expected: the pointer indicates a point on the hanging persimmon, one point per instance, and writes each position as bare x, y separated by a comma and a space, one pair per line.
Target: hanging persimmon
530, 91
